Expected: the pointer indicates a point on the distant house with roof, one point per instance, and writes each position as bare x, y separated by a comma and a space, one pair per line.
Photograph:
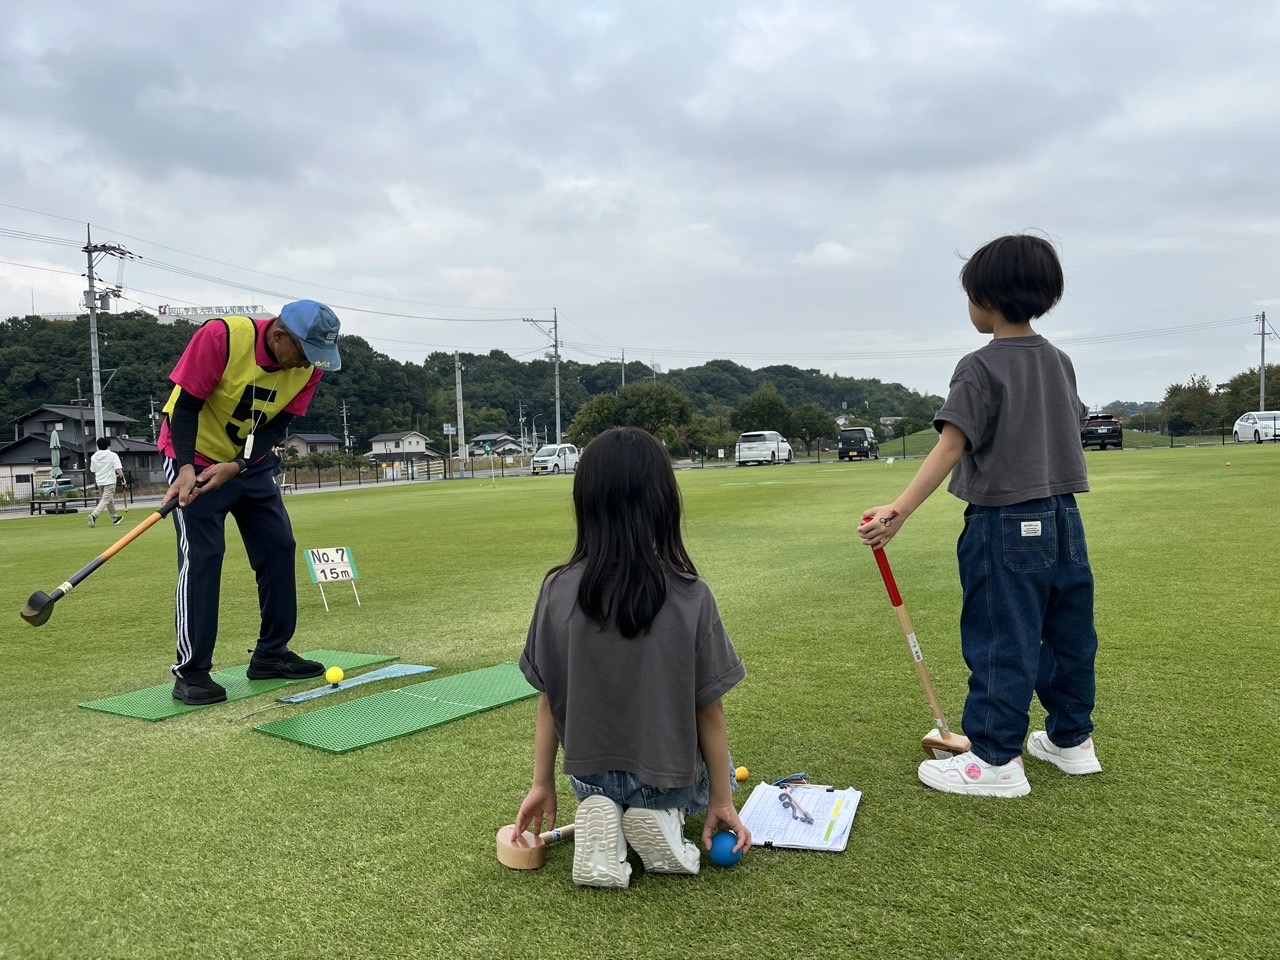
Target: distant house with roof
405, 445
499, 443
309, 443
28, 452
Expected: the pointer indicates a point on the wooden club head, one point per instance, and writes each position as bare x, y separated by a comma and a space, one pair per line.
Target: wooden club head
524, 852
939, 746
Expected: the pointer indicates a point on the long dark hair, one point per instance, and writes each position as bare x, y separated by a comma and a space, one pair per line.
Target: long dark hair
627, 505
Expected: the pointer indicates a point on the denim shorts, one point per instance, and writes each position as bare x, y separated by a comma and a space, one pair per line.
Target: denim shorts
628, 790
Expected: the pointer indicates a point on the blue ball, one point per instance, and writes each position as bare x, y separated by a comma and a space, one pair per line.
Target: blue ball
722, 854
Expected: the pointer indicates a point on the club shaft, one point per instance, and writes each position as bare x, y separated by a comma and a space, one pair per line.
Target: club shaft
557, 833
115, 548
908, 631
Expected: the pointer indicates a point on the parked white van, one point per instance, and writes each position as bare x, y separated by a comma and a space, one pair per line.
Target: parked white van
762, 446
556, 458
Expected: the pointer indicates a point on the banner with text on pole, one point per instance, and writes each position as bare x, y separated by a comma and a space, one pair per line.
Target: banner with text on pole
332, 565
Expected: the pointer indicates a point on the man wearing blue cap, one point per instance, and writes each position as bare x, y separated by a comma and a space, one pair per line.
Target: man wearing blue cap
237, 387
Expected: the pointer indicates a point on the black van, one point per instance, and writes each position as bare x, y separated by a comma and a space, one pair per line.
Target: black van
858, 443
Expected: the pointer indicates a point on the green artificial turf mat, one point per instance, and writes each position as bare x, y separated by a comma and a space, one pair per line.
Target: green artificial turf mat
157, 703
397, 713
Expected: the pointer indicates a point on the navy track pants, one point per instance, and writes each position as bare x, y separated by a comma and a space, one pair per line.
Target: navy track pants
254, 500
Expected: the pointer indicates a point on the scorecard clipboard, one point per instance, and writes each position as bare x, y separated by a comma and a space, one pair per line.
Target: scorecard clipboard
800, 816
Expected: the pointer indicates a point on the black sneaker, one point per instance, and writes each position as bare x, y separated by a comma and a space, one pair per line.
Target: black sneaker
116, 519
199, 689
287, 666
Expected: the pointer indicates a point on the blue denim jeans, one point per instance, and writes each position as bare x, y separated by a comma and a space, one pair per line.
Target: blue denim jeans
1026, 624
629, 790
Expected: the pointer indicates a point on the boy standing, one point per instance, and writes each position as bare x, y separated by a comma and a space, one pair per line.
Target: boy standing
1010, 428
107, 469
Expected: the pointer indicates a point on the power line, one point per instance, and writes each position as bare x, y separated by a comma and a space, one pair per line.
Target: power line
923, 353
261, 273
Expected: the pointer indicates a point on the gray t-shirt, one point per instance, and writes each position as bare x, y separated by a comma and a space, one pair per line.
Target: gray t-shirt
631, 705
1016, 403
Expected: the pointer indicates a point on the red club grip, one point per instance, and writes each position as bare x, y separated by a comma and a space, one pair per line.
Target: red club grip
889, 583
886, 574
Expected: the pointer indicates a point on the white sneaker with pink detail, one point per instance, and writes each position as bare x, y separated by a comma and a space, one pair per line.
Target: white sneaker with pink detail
1077, 760
968, 773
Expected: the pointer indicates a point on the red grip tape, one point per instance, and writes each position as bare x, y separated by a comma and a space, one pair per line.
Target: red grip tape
889, 583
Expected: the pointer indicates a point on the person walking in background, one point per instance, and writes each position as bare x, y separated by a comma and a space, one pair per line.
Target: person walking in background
237, 387
107, 471
627, 647
1010, 438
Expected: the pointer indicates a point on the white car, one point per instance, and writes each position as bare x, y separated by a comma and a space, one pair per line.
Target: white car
556, 458
1263, 425
762, 446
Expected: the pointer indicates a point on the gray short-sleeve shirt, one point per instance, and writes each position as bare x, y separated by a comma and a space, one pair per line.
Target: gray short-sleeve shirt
1016, 403
621, 704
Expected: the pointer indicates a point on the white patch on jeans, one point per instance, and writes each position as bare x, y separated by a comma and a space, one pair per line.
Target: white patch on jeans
1031, 528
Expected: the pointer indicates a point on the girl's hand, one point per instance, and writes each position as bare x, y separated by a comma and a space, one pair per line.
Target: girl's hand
725, 817
539, 807
879, 525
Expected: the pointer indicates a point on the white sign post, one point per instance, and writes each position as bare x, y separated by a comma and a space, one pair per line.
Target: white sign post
330, 565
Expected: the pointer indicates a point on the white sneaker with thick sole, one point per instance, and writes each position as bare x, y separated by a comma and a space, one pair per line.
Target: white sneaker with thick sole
599, 849
967, 773
658, 837
1076, 760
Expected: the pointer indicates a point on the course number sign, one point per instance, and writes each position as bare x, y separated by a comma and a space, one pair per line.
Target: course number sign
331, 564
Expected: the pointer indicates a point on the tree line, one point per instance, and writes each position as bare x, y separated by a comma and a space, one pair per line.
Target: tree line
695, 408
1200, 404
692, 408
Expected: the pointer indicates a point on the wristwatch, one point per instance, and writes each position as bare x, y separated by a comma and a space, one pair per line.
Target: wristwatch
240, 462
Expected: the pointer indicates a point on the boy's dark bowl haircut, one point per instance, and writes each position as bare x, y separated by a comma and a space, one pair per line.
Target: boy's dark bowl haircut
1019, 275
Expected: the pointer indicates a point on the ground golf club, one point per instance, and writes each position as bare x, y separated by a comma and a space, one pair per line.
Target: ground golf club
528, 851
39, 607
939, 743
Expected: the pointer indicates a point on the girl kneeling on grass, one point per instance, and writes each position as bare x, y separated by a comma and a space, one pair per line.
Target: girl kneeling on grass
628, 650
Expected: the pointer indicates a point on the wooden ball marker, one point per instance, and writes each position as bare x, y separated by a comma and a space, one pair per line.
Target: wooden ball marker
528, 851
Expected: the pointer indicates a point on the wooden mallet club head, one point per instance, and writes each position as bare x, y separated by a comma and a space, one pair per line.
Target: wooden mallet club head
528, 851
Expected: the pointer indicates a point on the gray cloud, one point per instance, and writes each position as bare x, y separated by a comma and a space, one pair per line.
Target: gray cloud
765, 182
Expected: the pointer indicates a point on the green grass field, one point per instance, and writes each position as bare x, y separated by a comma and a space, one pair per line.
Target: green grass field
197, 836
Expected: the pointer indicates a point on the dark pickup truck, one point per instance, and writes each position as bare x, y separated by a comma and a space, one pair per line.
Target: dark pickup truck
1102, 432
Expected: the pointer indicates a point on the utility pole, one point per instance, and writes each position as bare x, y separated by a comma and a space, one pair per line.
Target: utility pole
555, 339
622, 360
1262, 367
153, 419
462, 430
80, 403
555, 345
91, 301
346, 437
520, 406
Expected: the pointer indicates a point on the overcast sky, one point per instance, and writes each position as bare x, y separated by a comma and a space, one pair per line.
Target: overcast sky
788, 182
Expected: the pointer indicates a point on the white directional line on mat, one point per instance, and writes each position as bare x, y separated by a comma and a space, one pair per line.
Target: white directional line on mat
452, 703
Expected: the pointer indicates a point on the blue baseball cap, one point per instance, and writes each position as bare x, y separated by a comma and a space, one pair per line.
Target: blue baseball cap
316, 327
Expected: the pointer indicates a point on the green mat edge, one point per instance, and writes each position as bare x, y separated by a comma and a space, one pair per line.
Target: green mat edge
281, 723
234, 672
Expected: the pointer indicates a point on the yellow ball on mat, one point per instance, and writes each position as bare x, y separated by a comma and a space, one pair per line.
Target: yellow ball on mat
334, 675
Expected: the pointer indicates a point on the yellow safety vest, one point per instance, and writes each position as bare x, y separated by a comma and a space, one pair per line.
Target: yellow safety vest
245, 398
